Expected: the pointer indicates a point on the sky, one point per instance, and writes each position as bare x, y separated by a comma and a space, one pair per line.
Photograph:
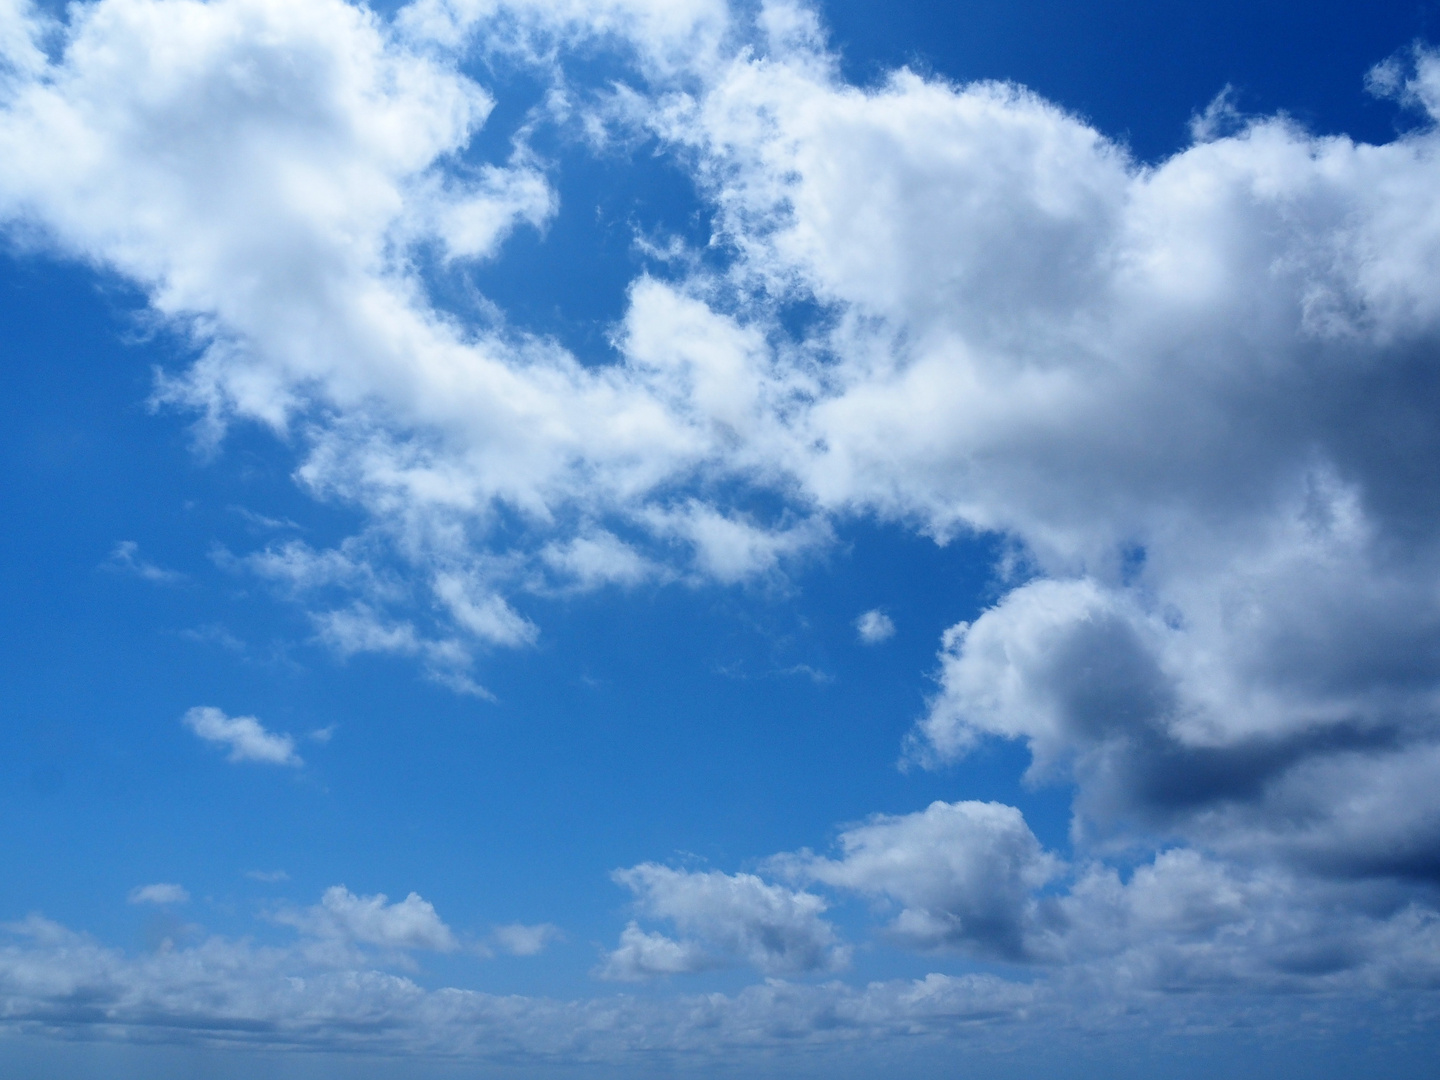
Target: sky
620, 538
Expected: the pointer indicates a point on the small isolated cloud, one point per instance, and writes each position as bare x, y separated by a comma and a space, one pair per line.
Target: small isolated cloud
246, 738
125, 559
874, 627
214, 634
343, 917
517, 939
159, 893
269, 877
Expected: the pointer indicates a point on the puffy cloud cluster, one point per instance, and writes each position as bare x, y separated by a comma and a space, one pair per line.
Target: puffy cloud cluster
342, 920
221, 992
965, 874
1198, 396
1185, 942
971, 879
724, 917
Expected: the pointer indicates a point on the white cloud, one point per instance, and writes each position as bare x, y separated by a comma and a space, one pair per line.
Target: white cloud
345, 918
1182, 924
242, 996
160, 893
725, 917
965, 874
1189, 392
518, 939
668, 35
598, 558
874, 627
245, 737
641, 955
1198, 397
276, 238
126, 559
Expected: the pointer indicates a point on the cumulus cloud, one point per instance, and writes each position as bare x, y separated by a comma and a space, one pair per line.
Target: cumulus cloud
874, 627
1197, 397
244, 736
971, 876
642, 955
722, 918
964, 873
1194, 394
159, 893
519, 939
343, 917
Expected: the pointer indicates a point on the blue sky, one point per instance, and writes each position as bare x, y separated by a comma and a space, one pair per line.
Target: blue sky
624, 538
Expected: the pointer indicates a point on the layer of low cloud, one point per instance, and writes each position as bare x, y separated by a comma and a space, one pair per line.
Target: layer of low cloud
243, 736
1185, 941
222, 992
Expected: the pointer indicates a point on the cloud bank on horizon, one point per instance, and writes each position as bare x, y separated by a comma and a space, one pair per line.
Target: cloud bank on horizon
1196, 397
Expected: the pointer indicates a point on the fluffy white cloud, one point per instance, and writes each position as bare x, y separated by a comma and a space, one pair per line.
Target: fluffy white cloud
641, 955
341, 916
245, 737
874, 627
724, 917
971, 876
265, 171
964, 873
667, 36
1198, 397
520, 939
1191, 391
159, 893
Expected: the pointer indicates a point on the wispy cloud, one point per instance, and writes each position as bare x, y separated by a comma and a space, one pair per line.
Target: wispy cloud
160, 893
519, 939
125, 559
244, 736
